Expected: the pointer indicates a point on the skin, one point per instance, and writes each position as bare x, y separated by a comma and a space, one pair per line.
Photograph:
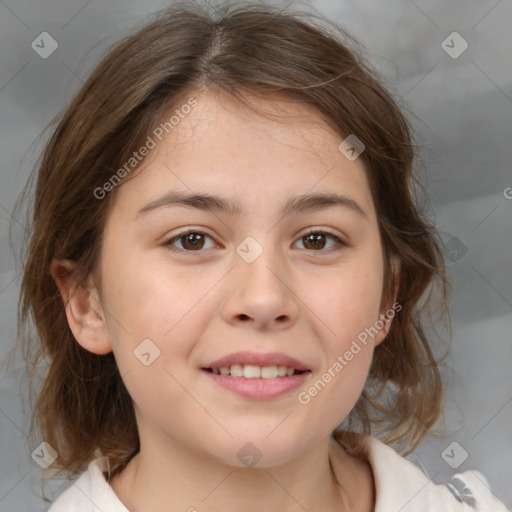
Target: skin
307, 301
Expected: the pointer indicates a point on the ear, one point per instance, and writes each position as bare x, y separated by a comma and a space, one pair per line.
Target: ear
85, 315
390, 308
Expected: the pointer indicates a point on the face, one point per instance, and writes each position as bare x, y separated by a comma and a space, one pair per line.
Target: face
279, 280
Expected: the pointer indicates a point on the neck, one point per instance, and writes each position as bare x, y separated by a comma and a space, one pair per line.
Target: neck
177, 479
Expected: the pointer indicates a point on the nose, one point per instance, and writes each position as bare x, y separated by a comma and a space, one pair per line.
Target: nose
260, 294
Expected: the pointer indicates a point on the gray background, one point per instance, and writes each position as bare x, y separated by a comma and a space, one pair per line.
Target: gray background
463, 117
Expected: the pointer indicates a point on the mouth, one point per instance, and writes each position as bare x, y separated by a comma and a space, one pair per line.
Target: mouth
257, 376
254, 365
251, 371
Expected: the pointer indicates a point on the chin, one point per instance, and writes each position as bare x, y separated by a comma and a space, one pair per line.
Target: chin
246, 451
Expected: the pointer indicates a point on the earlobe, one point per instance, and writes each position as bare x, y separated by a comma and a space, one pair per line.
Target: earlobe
386, 320
83, 309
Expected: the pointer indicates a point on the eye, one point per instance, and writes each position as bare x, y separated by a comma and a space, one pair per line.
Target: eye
316, 241
195, 240
191, 241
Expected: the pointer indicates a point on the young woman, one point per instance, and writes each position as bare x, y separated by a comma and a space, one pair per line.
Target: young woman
227, 274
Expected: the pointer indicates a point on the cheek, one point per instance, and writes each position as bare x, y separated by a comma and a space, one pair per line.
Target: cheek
155, 317
349, 308
348, 301
156, 302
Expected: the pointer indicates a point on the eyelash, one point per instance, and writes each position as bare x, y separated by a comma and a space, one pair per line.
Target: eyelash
338, 240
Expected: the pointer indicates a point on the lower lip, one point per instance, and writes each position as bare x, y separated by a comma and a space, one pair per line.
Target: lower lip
259, 389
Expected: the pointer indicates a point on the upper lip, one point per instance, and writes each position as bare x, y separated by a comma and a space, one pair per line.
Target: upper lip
254, 358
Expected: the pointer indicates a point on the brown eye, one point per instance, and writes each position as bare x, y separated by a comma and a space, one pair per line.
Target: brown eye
191, 241
317, 241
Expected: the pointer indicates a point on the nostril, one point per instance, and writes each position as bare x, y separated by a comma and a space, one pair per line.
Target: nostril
243, 317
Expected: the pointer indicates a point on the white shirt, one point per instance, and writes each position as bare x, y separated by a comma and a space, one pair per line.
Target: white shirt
400, 486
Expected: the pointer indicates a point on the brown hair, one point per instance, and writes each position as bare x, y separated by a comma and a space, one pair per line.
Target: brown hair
83, 407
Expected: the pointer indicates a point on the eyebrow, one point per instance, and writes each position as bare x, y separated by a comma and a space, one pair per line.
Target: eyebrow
298, 204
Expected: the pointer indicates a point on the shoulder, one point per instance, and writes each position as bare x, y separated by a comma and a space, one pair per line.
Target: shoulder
89, 493
401, 485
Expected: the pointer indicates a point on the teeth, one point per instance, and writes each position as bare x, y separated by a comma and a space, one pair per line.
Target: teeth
250, 371
236, 370
269, 372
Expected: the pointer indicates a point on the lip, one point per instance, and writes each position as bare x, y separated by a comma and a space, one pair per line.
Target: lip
259, 389
254, 358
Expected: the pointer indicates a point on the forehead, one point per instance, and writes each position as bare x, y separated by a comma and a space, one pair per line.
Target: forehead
223, 126
280, 149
